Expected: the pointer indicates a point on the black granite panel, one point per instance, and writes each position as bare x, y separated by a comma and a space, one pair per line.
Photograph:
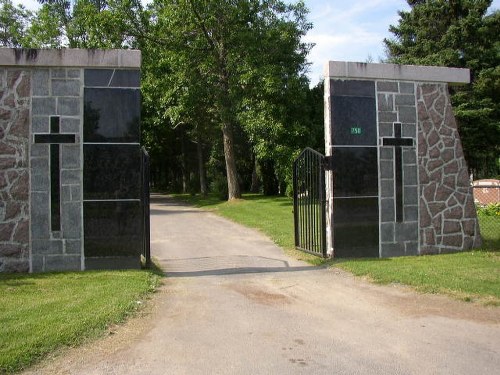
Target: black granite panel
111, 171
352, 88
112, 229
355, 227
112, 115
126, 78
355, 171
112, 78
354, 121
97, 77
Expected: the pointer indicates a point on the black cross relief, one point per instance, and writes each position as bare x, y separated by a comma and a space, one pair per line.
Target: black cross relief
54, 138
398, 142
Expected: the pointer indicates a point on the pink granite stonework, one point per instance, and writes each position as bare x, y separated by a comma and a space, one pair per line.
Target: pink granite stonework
14, 170
448, 220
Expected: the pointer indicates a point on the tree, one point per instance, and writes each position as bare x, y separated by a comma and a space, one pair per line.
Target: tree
243, 51
459, 33
84, 24
13, 23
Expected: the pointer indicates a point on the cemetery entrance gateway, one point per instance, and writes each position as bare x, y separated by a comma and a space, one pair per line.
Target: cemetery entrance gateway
309, 202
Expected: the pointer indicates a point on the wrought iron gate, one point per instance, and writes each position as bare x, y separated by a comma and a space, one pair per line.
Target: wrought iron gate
309, 202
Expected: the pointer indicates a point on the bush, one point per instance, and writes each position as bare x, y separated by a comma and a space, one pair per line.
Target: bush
492, 209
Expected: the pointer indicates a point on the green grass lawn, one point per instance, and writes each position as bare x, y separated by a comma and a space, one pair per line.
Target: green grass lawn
40, 313
470, 276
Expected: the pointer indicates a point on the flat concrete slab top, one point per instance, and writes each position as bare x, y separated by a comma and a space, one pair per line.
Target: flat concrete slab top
234, 304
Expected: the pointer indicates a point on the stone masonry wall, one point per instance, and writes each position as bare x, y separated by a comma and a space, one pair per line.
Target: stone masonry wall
14, 169
396, 103
448, 219
57, 92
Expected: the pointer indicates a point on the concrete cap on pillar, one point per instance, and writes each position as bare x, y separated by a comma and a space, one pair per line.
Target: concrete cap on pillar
345, 69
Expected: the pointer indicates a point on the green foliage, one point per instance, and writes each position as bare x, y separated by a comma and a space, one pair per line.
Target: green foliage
459, 34
492, 209
231, 67
40, 313
13, 23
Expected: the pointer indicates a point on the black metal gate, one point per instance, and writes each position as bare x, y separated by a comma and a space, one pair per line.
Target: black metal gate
146, 247
309, 202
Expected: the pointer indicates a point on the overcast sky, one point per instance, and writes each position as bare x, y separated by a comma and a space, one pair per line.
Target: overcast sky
350, 30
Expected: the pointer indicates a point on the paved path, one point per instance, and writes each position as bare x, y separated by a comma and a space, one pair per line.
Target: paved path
234, 304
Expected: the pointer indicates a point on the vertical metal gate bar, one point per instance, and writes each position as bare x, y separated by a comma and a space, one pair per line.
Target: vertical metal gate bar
295, 205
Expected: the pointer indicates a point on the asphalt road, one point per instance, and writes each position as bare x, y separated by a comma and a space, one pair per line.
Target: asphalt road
234, 304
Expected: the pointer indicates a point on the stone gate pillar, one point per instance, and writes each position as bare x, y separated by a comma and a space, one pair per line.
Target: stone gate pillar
70, 159
399, 184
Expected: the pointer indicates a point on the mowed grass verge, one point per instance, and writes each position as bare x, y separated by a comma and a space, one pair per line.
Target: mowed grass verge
40, 313
469, 276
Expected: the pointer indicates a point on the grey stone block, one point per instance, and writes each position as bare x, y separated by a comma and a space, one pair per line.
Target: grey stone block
39, 214
409, 156
406, 231
410, 195
73, 73
43, 106
409, 130
387, 232
386, 129
392, 250
63, 263
70, 125
37, 263
410, 175
65, 87
73, 247
58, 73
70, 157
386, 169
411, 248
405, 100
71, 220
387, 210
76, 193
408, 115
40, 182
387, 153
45, 247
41, 82
387, 188
66, 193
68, 106
385, 102
387, 86
406, 87
40, 164
388, 117
71, 176
40, 124
410, 213
39, 150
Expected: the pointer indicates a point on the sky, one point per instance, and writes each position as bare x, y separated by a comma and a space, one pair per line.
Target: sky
347, 30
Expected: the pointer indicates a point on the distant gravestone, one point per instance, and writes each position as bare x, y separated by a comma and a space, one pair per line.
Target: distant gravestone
70, 160
398, 183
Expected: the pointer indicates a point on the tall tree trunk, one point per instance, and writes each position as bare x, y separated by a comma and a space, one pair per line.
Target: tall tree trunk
201, 168
233, 186
255, 187
183, 165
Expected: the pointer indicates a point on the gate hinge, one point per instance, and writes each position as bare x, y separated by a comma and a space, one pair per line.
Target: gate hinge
328, 163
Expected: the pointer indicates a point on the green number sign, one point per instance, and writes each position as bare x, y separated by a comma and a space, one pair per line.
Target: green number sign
355, 131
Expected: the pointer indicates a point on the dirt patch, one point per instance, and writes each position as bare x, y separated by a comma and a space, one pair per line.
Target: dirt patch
259, 295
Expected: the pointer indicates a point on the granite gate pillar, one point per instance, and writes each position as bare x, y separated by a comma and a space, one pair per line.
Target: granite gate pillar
70, 160
399, 184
